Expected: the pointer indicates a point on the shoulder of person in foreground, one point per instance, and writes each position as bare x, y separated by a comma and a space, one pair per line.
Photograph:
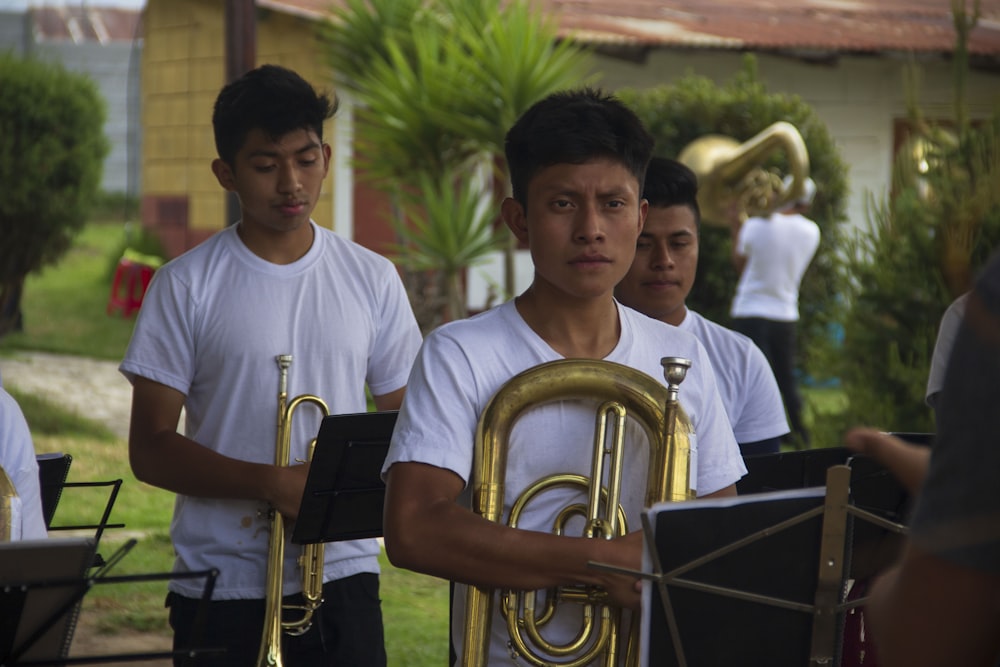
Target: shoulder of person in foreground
720, 464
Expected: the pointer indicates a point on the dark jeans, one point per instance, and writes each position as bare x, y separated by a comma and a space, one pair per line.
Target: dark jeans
777, 340
346, 630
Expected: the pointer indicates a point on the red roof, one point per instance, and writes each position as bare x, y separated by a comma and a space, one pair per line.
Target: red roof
76, 23
837, 26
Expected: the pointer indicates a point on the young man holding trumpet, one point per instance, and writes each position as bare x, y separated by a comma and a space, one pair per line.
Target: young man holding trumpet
577, 161
206, 340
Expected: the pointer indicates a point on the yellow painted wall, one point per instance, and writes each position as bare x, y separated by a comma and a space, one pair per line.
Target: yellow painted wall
183, 68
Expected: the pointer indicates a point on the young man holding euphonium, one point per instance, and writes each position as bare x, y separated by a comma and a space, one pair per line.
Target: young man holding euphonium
577, 162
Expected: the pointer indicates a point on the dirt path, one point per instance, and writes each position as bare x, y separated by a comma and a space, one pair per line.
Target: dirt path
97, 390
87, 641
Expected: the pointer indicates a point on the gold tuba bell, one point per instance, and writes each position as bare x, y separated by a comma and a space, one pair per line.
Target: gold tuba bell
731, 178
621, 392
312, 557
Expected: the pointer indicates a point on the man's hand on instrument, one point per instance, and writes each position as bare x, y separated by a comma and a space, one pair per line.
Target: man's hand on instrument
285, 491
625, 552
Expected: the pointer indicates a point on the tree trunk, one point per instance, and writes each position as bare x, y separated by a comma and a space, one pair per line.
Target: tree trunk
11, 317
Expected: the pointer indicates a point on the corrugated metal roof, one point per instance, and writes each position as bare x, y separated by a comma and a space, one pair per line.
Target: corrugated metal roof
843, 26
839, 26
79, 24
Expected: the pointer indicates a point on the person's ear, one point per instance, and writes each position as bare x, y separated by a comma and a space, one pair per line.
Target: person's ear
327, 152
224, 174
514, 217
643, 212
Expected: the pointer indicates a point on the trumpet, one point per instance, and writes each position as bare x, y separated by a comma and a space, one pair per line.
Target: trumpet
311, 559
621, 392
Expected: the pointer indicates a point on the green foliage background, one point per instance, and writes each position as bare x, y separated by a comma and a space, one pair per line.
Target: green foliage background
695, 106
52, 150
924, 247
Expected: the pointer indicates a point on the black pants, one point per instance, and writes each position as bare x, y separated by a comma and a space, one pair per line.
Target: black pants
346, 630
777, 340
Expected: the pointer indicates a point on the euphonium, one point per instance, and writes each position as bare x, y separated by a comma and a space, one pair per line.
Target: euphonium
311, 560
621, 392
10, 509
732, 180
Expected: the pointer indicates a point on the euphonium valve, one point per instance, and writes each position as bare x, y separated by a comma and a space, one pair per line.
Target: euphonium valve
312, 557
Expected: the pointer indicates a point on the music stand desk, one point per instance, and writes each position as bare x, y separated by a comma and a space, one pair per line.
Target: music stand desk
344, 492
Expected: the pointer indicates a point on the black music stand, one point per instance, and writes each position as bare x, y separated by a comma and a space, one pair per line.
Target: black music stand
38, 622
42, 586
344, 492
767, 571
53, 469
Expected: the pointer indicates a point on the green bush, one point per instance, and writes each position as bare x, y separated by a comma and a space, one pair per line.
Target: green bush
923, 249
695, 106
52, 149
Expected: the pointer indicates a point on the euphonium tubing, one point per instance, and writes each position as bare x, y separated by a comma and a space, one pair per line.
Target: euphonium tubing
311, 559
10, 509
621, 391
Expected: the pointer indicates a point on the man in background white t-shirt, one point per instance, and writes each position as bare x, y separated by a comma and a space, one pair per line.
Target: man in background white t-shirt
657, 285
771, 255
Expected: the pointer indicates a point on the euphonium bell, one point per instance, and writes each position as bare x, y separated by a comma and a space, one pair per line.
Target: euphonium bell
312, 557
732, 180
621, 392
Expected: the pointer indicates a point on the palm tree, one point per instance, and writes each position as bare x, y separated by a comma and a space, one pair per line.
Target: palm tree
437, 85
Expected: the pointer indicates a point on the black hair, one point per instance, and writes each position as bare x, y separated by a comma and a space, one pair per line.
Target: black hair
573, 127
271, 98
671, 183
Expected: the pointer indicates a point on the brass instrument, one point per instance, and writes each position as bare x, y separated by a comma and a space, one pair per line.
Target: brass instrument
621, 391
731, 179
9, 509
311, 559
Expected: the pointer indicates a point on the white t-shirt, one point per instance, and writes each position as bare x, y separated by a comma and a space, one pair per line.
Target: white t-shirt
462, 365
210, 327
947, 331
18, 460
745, 379
778, 251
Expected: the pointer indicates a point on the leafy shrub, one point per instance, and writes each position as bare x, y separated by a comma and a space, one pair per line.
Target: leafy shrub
922, 250
52, 149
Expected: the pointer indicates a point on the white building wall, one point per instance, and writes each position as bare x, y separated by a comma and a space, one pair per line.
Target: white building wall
114, 67
115, 70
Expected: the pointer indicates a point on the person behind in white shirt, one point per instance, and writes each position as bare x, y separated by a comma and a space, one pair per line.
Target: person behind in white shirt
206, 341
19, 462
657, 285
771, 254
947, 331
577, 161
